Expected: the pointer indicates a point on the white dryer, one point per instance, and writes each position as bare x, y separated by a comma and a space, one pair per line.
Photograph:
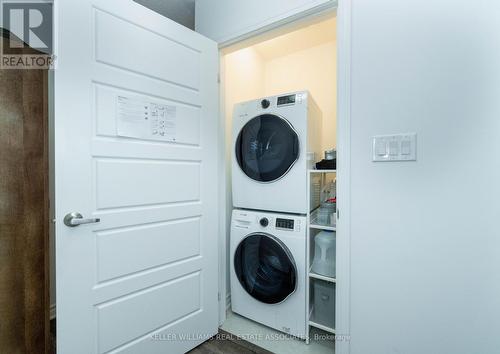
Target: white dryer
275, 140
268, 269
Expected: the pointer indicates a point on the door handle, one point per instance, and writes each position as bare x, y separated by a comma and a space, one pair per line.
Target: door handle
75, 219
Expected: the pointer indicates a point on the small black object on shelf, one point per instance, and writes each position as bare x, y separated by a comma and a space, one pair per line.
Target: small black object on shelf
326, 164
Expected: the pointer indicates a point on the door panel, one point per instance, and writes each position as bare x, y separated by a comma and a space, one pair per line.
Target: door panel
147, 310
117, 53
136, 146
129, 182
113, 247
187, 129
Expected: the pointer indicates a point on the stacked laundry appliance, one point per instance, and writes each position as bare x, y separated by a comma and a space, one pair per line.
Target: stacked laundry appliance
275, 141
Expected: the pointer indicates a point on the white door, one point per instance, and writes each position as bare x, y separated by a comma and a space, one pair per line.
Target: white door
135, 146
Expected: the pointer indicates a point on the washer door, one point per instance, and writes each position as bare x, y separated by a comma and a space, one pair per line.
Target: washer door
266, 148
265, 268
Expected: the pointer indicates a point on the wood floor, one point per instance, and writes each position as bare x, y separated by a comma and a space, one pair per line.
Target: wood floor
225, 343
222, 343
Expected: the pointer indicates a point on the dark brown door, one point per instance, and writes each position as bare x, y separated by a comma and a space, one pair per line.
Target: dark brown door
23, 212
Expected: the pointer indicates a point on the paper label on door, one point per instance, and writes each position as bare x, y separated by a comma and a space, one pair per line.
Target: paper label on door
139, 118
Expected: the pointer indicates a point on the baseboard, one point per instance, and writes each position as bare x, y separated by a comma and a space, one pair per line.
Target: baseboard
52, 311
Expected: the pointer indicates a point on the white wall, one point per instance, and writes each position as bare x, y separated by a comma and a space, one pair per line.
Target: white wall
181, 11
312, 69
425, 243
226, 20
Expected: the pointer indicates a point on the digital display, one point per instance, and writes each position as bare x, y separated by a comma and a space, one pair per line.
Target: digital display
283, 100
284, 224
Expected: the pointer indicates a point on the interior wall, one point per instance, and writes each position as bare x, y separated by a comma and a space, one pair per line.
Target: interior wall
314, 69
243, 81
425, 241
180, 11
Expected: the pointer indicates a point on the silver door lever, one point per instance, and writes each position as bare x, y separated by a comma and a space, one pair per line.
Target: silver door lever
75, 219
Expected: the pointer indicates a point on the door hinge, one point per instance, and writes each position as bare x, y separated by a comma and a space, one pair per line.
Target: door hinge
218, 78
338, 214
218, 296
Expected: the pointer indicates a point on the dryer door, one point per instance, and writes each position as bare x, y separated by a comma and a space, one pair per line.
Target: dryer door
267, 147
265, 268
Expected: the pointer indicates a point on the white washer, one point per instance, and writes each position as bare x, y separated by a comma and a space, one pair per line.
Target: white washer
275, 140
268, 270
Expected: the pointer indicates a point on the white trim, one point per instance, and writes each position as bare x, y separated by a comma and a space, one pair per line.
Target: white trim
223, 286
281, 21
343, 273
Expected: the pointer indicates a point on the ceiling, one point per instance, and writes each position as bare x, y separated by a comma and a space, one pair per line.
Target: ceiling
304, 38
181, 11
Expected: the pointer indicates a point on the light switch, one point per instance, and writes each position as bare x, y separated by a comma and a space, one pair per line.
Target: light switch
381, 148
400, 147
405, 147
394, 148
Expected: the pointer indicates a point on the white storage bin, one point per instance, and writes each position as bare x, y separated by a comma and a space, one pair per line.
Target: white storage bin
324, 303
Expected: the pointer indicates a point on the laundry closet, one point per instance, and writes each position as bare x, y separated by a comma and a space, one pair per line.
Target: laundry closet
279, 109
207, 180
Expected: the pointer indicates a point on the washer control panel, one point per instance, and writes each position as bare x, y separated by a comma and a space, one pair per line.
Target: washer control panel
285, 224
267, 222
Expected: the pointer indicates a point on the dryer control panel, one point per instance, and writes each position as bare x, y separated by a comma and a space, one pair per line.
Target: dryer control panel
286, 100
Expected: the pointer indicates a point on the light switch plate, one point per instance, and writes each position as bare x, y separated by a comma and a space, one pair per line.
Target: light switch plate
399, 147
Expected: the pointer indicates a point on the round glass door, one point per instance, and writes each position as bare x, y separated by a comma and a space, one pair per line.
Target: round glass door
266, 148
265, 268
